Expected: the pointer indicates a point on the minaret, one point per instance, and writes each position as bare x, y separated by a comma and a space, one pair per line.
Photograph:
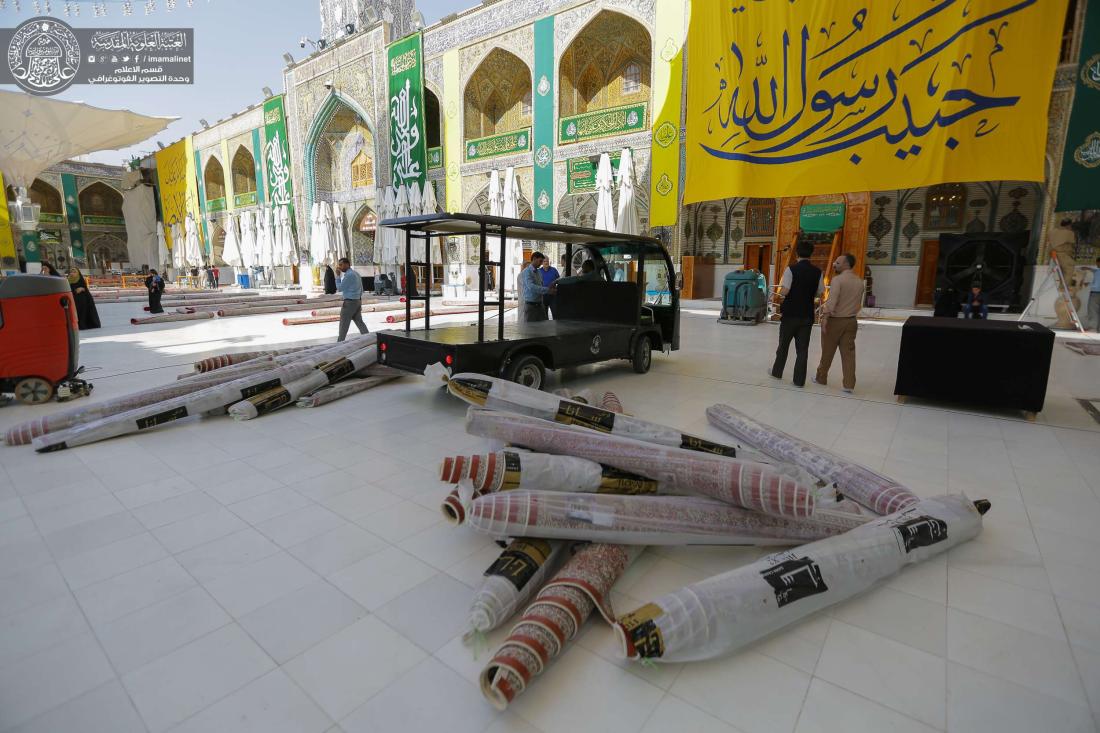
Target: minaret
337, 14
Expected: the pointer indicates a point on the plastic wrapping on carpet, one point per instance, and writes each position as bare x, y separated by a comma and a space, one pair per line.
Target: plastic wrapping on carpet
726, 612
335, 392
744, 483
511, 580
645, 520
878, 493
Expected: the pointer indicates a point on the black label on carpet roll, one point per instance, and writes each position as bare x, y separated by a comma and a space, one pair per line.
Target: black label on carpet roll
614, 481
272, 400
161, 417
921, 532
570, 413
690, 442
338, 369
520, 561
512, 471
795, 579
261, 387
643, 633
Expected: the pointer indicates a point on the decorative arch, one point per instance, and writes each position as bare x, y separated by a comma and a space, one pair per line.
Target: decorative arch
332, 104
99, 199
46, 196
493, 100
243, 170
213, 179
607, 64
364, 226
433, 120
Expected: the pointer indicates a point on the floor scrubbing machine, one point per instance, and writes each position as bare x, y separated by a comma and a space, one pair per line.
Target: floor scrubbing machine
744, 298
39, 341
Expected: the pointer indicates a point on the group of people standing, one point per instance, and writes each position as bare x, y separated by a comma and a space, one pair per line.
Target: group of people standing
802, 283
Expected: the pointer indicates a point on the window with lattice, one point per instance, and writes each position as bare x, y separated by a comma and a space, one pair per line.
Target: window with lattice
632, 79
362, 170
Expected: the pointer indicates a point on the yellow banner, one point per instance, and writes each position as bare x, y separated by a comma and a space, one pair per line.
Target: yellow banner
452, 129
794, 98
9, 259
178, 192
664, 199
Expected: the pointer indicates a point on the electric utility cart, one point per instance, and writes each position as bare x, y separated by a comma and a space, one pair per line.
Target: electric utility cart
628, 308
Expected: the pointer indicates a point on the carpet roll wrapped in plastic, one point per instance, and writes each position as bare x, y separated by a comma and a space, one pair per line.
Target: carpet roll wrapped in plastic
747, 484
726, 612
337, 391
221, 361
196, 403
328, 373
511, 580
24, 433
508, 470
645, 520
492, 393
878, 493
554, 618
169, 317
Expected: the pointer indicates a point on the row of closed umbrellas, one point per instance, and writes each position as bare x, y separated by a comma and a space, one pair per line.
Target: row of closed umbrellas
263, 238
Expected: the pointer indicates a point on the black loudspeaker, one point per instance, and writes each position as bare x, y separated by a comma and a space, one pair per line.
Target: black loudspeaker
996, 260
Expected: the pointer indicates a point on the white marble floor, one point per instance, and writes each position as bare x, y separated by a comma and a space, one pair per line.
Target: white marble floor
293, 573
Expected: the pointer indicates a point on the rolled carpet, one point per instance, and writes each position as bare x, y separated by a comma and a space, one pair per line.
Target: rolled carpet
727, 612
554, 618
878, 493
645, 520
511, 580
493, 393
196, 403
168, 317
338, 391
744, 483
328, 373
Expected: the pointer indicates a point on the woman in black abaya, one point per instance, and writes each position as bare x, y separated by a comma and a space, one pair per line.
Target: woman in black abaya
86, 313
155, 285
330, 281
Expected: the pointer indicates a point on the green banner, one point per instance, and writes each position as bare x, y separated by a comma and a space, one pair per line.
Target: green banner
435, 158
581, 172
258, 156
32, 251
45, 218
72, 213
1079, 185
544, 119
405, 71
280, 191
244, 199
602, 123
103, 221
821, 217
506, 143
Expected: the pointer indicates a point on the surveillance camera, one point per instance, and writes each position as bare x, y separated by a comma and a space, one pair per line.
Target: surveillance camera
302, 41
328, 83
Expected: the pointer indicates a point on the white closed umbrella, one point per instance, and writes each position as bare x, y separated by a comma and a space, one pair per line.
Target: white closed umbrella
194, 247
178, 246
415, 202
401, 209
163, 256
379, 232
429, 205
233, 246
311, 250
339, 223
322, 248
510, 210
628, 220
285, 242
605, 183
260, 234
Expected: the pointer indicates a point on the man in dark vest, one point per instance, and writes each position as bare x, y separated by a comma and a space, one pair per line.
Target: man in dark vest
802, 282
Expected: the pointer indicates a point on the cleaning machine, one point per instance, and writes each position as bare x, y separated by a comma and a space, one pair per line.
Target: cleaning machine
744, 298
39, 340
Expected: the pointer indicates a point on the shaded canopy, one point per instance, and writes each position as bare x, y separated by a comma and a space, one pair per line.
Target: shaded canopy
37, 132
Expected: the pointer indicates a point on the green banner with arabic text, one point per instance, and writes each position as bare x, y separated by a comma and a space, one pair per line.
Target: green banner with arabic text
1079, 185
405, 71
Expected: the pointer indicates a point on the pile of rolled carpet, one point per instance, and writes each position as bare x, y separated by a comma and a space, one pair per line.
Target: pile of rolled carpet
578, 489
246, 386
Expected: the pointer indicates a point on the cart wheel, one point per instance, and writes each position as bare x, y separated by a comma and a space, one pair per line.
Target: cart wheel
527, 370
33, 391
643, 355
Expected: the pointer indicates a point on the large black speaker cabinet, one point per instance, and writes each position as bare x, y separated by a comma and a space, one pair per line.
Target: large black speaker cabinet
996, 260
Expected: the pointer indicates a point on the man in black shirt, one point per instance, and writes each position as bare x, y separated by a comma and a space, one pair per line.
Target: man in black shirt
802, 283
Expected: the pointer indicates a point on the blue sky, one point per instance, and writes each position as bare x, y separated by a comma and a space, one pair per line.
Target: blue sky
239, 45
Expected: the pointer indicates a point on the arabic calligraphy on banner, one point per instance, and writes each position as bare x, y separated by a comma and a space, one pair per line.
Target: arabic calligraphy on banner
408, 157
503, 144
176, 178
793, 98
1079, 184
602, 123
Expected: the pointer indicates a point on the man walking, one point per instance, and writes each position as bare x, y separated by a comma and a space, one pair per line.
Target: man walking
801, 283
533, 289
350, 287
838, 322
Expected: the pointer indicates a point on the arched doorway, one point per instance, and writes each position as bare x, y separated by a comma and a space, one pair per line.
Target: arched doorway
497, 101
243, 170
100, 200
213, 179
607, 65
106, 252
433, 129
364, 226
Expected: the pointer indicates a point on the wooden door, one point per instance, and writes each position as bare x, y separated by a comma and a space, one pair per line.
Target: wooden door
926, 277
759, 257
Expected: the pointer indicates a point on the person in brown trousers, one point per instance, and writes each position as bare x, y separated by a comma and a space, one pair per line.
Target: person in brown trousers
838, 322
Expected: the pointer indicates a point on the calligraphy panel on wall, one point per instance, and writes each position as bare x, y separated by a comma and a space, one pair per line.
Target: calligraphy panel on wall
408, 147
810, 98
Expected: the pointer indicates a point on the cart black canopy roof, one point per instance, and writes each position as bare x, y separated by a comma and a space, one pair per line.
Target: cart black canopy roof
470, 224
